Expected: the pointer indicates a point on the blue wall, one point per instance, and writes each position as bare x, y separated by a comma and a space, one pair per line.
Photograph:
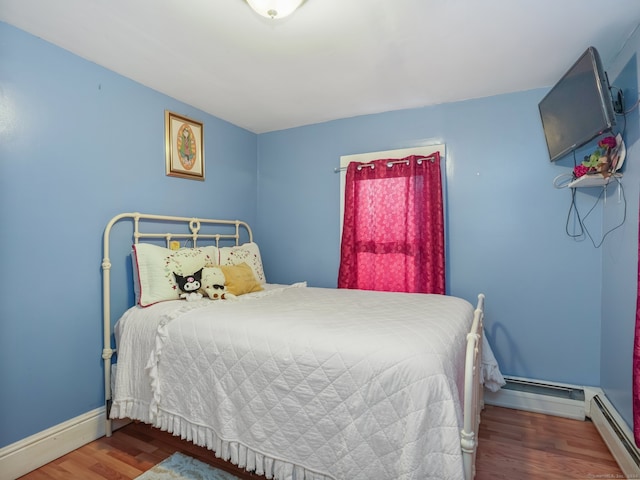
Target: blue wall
79, 144
620, 251
506, 223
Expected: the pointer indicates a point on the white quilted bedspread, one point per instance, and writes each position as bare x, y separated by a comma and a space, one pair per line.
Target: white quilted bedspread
304, 383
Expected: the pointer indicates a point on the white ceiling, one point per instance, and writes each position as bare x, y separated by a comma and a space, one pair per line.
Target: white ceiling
332, 58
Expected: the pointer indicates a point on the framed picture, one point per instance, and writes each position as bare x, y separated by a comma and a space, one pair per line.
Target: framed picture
184, 146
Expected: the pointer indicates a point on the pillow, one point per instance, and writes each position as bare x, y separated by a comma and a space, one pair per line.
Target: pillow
240, 279
154, 266
248, 253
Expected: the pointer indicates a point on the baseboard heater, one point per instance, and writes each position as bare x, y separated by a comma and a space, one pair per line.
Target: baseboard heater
557, 390
616, 434
541, 397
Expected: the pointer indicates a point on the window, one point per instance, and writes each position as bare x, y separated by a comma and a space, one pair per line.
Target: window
393, 222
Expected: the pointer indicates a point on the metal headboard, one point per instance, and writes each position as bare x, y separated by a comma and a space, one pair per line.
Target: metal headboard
192, 234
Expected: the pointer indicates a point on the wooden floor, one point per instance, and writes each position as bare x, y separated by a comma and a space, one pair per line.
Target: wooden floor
513, 445
521, 445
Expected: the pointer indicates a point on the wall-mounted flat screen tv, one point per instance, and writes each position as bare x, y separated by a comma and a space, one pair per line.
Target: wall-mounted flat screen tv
578, 108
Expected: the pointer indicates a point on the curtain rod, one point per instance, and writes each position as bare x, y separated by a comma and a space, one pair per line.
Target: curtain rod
389, 164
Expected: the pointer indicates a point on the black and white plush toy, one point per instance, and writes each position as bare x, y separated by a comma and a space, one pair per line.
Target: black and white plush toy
189, 285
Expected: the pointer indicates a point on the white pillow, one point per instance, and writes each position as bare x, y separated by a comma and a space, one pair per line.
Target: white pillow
248, 253
154, 266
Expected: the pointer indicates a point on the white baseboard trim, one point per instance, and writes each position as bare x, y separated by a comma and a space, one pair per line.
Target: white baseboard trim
32, 452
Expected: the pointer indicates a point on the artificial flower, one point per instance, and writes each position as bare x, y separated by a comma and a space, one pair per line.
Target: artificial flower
580, 170
604, 147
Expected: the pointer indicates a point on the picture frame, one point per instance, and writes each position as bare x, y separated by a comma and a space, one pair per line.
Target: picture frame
184, 146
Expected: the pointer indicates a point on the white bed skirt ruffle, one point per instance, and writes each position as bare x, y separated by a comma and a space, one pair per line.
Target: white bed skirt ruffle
232, 451
235, 452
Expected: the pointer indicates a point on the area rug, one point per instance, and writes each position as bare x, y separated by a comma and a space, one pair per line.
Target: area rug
183, 467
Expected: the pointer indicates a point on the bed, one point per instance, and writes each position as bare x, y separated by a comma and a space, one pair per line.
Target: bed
290, 381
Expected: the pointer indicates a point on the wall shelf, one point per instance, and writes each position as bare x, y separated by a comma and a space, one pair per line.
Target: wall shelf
593, 180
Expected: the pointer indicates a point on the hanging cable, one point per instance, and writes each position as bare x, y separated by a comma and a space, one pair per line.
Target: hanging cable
624, 214
581, 220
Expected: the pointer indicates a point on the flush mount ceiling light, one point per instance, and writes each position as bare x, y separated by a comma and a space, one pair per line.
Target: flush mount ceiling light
274, 9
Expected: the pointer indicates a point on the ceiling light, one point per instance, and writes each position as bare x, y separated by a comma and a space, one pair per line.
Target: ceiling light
274, 8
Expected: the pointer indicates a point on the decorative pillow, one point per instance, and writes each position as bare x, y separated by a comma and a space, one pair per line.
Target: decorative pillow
248, 253
154, 266
240, 279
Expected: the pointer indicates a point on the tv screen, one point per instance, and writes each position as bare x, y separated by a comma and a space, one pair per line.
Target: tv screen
578, 108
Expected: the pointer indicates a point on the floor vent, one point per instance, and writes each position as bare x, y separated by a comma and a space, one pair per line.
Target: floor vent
616, 435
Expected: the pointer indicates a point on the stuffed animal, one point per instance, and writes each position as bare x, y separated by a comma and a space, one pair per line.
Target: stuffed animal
189, 285
214, 285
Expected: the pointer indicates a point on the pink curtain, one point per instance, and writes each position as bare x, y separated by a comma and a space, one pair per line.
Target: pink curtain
393, 231
636, 365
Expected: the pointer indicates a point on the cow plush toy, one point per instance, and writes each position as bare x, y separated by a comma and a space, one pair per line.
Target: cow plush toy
214, 284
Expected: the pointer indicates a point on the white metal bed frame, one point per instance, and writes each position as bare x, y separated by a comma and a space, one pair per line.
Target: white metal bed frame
473, 385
